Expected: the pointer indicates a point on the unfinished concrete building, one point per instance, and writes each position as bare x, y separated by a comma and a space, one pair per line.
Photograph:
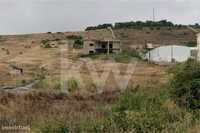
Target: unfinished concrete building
105, 43
105, 46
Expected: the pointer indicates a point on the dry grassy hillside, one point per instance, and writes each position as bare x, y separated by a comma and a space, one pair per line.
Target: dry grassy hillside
25, 51
35, 99
161, 36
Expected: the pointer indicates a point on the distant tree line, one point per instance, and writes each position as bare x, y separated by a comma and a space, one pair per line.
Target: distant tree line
102, 26
162, 23
137, 24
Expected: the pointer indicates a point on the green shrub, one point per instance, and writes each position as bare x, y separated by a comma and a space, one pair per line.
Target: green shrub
46, 45
48, 84
45, 41
141, 100
57, 85
148, 111
42, 84
78, 44
72, 85
186, 84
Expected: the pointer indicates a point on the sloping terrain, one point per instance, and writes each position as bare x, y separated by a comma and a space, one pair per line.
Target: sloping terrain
25, 52
137, 38
36, 99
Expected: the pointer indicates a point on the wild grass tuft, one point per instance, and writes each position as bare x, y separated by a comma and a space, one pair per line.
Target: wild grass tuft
48, 84
73, 85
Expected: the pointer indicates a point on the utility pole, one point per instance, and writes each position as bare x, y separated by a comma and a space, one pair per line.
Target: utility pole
154, 15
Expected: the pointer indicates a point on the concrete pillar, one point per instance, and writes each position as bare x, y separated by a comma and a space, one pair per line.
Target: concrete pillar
198, 47
108, 51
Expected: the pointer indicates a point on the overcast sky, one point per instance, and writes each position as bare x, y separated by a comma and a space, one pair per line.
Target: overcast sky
30, 16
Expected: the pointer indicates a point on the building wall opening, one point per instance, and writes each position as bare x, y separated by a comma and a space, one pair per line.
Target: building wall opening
103, 46
91, 52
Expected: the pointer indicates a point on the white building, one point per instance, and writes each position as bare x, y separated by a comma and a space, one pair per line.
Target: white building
170, 54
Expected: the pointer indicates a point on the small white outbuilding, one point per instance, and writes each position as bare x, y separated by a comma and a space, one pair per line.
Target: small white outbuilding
169, 54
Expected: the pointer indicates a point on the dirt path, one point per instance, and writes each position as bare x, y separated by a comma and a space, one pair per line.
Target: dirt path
21, 89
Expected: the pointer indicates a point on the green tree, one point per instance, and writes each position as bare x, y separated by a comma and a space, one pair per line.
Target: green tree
78, 44
186, 85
